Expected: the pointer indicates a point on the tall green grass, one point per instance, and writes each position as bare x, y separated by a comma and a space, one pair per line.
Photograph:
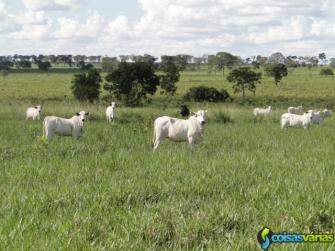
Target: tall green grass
109, 191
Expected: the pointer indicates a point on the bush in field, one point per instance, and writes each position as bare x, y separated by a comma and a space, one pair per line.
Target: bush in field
326, 71
276, 71
203, 93
86, 85
131, 82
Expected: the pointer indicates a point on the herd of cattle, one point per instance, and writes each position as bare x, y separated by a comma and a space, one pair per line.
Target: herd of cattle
295, 116
178, 130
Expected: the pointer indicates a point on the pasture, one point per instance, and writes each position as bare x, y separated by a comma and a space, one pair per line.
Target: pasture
108, 191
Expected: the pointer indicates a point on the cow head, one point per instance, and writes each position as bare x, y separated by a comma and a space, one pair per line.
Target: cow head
327, 113
200, 116
113, 104
309, 114
82, 116
38, 108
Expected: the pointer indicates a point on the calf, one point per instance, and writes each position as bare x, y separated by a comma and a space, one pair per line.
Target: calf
34, 112
111, 112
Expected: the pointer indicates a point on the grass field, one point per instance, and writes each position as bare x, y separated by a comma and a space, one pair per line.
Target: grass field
108, 191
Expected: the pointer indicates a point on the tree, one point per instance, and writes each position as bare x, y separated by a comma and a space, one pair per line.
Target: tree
109, 64
23, 64
181, 61
332, 62
131, 82
276, 58
170, 77
83, 66
322, 57
243, 78
146, 58
276, 71
44, 66
225, 59
86, 86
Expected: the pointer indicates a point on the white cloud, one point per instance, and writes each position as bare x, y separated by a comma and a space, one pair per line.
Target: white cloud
243, 27
38, 5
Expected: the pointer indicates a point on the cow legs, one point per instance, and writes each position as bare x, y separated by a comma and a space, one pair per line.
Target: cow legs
156, 144
191, 141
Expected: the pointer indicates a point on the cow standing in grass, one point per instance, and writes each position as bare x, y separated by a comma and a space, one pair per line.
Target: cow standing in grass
289, 119
179, 130
295, 110
34, 112
65, 127
111, 112
262, 111
319, 117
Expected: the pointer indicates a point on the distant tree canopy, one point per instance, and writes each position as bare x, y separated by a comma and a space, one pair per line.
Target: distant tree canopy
83, 66
243, 78
44, 66
86, 86
23, 64
222, 60
276, 58
109, 64
132, 82
276, 71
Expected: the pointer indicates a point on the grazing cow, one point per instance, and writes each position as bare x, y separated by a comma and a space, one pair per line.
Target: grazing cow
262, 111
318, 117
289, 119
184, 111
65, 127
295, 110
111, 112
179, 130
34, 112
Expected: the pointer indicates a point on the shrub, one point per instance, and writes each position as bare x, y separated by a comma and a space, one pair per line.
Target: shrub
203, 93
326, 71
86, 85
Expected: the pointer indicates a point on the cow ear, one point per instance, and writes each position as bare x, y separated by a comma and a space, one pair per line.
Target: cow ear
193, 113
77, 113
87, 113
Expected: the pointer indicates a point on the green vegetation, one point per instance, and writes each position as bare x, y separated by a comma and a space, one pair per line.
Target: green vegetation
109, 191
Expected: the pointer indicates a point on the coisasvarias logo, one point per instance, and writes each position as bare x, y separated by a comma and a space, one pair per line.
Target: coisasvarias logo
266, 237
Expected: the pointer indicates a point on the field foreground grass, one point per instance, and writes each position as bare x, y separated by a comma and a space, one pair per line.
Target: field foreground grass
109, 191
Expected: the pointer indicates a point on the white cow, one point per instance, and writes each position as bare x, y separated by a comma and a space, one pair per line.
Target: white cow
179, 130
318, 117
262, 111
111, 112
289, 119
295, 110
65, 127
34, 112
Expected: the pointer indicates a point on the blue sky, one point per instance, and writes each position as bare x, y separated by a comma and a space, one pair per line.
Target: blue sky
196, 27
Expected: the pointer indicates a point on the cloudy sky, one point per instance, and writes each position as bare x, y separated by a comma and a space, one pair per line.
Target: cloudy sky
157, 27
